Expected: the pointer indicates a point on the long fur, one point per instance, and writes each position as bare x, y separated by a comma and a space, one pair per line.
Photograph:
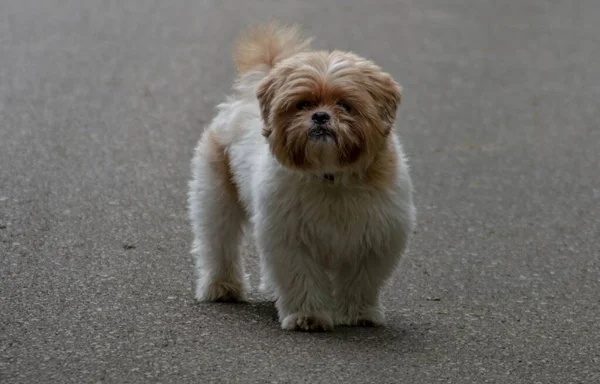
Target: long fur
263, 46
331, 218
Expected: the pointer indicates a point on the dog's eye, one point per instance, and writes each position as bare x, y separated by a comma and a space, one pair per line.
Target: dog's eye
305, 104
344, 105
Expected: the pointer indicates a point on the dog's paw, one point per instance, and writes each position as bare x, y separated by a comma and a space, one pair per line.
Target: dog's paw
220, 290
307, 322
364, 317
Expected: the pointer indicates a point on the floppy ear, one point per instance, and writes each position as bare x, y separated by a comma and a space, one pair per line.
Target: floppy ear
265, 94
387, 94
391, 96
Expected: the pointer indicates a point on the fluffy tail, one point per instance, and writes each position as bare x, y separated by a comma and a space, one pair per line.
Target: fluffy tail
263, 46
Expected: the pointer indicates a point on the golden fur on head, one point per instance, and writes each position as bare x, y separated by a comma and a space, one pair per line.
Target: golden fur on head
360, 99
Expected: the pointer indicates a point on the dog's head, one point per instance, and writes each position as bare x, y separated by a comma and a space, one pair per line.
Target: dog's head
327, 112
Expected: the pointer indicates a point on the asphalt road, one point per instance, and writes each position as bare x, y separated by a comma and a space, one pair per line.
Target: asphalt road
101, 103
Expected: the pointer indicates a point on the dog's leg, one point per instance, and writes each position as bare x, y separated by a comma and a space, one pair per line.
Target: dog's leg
302, 288
266, 287
217, 220
357, 287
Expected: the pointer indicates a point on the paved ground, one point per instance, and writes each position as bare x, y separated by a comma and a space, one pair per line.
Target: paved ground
101, 103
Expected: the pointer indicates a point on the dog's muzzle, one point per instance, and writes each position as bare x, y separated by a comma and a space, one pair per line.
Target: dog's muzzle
320, 132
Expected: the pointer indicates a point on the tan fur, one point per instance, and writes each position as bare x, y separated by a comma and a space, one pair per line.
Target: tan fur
266, 45
220, 164
324, 79
382, 172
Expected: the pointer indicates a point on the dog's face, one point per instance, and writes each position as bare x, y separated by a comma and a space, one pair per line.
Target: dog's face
327, 111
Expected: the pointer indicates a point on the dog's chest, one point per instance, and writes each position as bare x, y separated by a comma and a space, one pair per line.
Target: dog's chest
335, 221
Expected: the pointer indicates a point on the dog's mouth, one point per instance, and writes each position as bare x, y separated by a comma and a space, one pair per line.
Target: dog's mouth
320, 132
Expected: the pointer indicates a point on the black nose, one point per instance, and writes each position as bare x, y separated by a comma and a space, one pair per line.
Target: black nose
320, 117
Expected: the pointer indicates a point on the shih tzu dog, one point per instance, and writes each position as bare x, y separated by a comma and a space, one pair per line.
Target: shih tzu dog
304, 151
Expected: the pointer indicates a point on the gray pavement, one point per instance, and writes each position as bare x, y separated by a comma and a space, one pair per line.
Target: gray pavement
101, 103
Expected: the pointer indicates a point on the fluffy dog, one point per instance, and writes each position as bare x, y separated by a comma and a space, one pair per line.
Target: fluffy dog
305, 151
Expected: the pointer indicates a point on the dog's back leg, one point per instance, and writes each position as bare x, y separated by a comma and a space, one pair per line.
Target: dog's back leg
217, 219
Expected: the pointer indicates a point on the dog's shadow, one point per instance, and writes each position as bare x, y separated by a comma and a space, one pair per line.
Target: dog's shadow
397, 335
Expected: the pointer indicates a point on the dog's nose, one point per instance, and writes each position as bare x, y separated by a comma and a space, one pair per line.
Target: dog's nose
320, 117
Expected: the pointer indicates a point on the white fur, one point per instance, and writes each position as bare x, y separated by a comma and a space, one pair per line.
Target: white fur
337, 65
326, 249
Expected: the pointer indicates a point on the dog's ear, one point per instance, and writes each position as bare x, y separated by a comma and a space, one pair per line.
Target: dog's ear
386, 93
265, 94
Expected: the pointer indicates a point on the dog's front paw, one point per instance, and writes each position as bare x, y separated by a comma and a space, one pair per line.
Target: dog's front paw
219, 290
307, 322
363, 317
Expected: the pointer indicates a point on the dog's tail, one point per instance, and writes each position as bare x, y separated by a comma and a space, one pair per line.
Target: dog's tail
263, 46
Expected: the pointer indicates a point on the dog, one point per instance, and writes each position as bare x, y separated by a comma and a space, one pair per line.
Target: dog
304, 154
